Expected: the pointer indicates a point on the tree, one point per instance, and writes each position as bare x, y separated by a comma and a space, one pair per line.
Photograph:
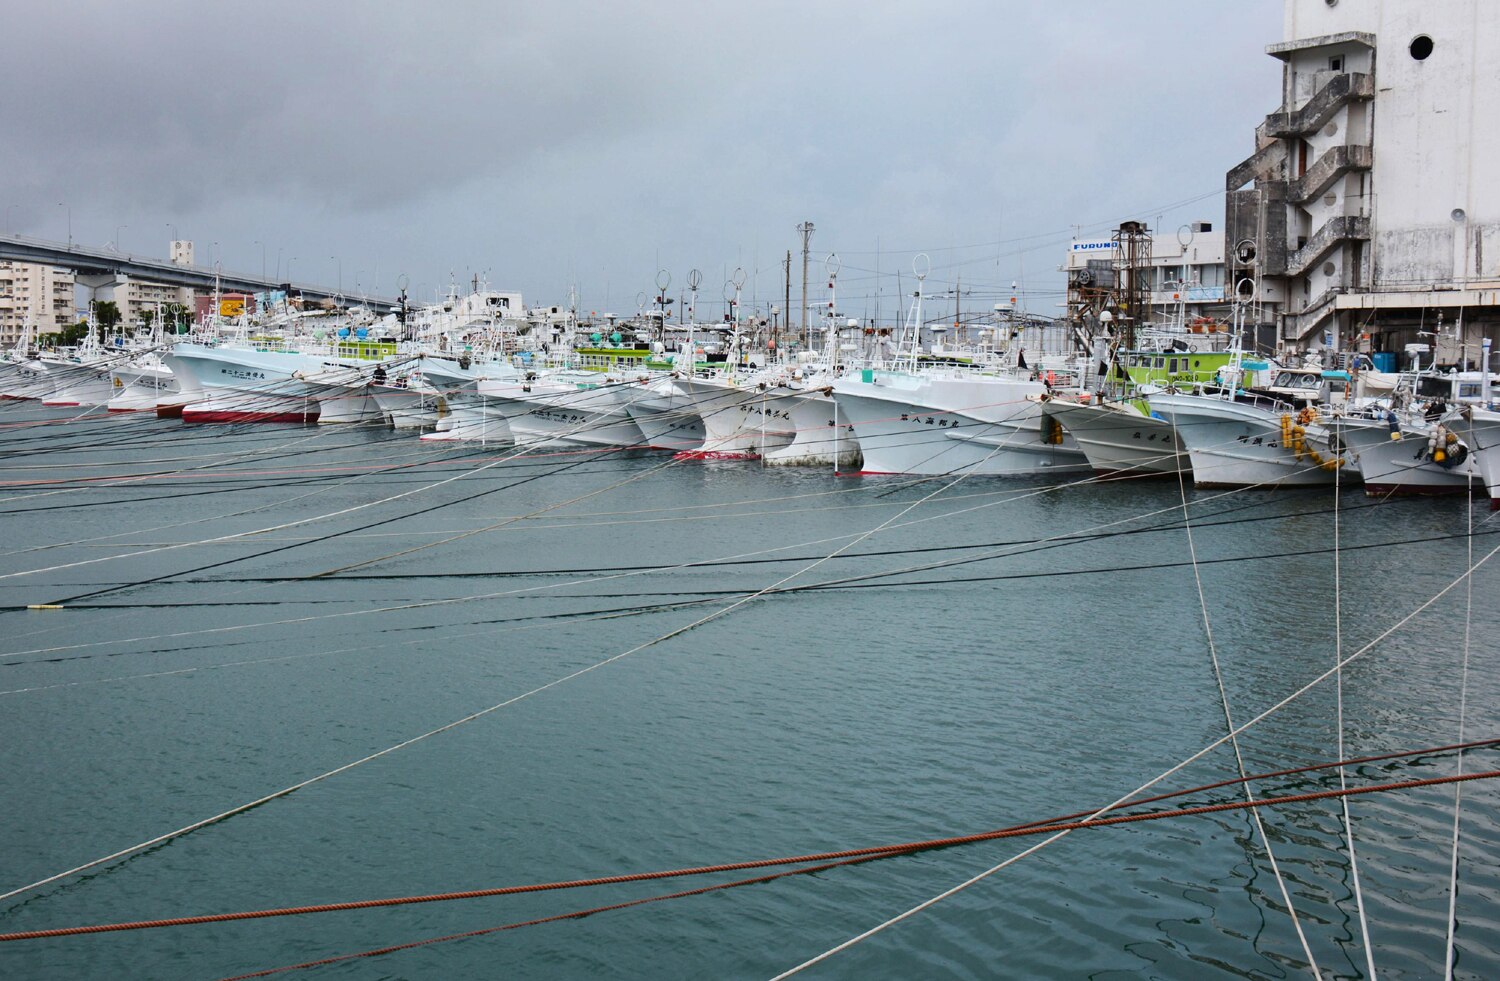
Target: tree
107, 313
68, 336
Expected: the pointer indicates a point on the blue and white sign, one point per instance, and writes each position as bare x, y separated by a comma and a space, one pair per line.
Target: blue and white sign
1099, 245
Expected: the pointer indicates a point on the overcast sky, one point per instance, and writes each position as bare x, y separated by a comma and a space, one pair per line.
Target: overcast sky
545, 145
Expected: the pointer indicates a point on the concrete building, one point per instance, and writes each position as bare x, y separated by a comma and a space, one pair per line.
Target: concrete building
45, 293
135, 296
1368, 217
1181, 275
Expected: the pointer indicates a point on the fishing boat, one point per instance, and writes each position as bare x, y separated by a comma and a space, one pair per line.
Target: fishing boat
569, 408
1115, 426
743, 417
1239, 438
140, 384
243, 385
461, 413
667, 417
1401, 454
404, 396
951, 421
76, 380
342, 393
24, 380
1120, 438
22, 376
1483, 429
819, 437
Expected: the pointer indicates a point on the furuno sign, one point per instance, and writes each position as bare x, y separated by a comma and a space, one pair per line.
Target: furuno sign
1105, 245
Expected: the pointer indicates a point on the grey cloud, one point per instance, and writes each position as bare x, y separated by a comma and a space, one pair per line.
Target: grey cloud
543, 140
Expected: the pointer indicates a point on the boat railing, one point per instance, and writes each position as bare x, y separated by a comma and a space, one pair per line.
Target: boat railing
1259, 400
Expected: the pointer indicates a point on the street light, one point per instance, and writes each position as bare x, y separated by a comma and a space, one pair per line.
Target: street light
61, 204
341, 272
289, 269
262, 257
117, 236
278, 263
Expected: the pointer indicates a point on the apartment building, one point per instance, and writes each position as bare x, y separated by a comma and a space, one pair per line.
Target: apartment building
1368, 217
45, 293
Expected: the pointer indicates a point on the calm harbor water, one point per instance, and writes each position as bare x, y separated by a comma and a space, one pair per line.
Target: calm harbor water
1006, 651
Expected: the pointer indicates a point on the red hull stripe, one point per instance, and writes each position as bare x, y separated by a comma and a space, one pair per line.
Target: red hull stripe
191, 415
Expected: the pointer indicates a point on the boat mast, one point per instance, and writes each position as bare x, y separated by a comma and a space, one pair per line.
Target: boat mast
833, 264
911, 333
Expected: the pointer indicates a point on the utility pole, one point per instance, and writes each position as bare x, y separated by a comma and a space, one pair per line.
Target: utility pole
806, 228
957, 292
786, 306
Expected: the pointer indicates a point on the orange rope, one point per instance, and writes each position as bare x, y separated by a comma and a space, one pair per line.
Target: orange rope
879, 851
895, 850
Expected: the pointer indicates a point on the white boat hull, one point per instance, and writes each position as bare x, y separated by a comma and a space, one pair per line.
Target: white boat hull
928, 425
1238, 444
547, 413
1483, 437
817, 441
470, 417
407, 407
138, 387
666, 417
343, 397
234, 385
1398, 466
77, 384
738, 423
1120, 441
25, 381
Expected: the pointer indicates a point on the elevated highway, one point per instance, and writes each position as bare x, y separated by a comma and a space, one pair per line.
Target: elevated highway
99, 267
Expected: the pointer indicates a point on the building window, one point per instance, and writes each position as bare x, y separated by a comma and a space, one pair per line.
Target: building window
1336, 63
1421, 47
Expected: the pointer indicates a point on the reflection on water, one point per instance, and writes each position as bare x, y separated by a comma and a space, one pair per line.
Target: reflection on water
994, 691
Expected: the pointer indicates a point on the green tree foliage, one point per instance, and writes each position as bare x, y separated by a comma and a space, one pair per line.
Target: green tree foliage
107, 313
68, 336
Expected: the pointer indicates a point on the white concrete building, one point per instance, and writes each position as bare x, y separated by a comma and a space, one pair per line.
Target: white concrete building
45, 293
135, 296
1183, 275
1370, 210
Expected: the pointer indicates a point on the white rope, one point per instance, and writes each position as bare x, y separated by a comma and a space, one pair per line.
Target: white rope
1239, 761
1338, 655
422, 604
448, 601
1175, 768
1449, 952
470, 717
212, 462
273, 528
